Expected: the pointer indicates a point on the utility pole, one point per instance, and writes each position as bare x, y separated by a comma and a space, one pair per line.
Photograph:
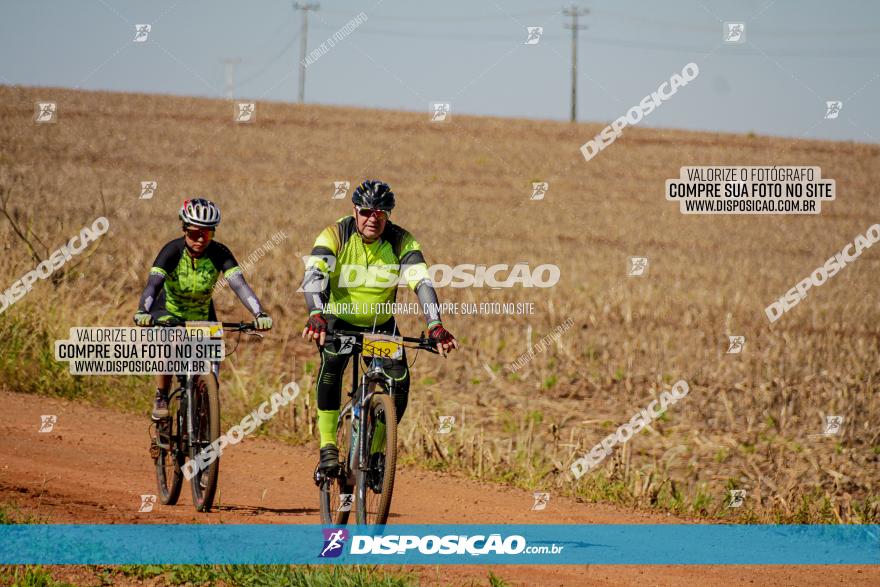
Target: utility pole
574, 12
230, 75
303, 44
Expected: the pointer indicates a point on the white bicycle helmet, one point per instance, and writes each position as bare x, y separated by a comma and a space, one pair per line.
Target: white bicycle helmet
200, 212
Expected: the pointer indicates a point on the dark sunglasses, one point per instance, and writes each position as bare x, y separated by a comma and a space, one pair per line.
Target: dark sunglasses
367, 212
196, 233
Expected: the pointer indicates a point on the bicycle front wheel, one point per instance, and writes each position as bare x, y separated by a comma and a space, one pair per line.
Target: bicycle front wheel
168, 457
206, 429
375, 478
337, 497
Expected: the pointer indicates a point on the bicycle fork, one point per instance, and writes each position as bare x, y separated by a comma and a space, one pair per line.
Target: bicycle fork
360, 451
367, 439
191, 414
186, 408
163, 429
356, 452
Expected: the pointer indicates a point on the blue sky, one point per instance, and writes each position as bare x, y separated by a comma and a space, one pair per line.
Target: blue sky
797, 55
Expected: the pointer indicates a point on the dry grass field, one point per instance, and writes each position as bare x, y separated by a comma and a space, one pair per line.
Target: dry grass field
752, 421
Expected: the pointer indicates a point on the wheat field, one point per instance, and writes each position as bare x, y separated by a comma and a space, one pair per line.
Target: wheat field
751, 421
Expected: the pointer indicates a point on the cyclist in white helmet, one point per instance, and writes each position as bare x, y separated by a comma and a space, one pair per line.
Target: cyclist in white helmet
182, 279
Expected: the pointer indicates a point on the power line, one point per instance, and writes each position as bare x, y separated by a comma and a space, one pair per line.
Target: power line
268, 40
443, 36
655, 23
271, 62
613, 15
457, 18
867, 52
591, 40
694, 27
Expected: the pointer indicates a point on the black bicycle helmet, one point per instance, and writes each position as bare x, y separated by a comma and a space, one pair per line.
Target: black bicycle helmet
374, 194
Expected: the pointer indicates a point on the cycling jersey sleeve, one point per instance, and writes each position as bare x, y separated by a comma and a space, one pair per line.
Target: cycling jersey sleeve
151, 291
244, 292
414, 270
162, 267
168, 258
319, 267
225, 262
412, 263
430, 304
223, 259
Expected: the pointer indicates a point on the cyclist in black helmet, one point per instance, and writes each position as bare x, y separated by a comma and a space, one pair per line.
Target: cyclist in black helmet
182, 280
369, 240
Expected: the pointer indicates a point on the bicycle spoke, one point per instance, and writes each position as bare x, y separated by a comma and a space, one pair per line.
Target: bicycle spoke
375, 484
206, 428
336, 493
169, 478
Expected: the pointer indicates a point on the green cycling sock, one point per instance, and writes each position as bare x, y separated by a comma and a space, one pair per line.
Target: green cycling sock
327, 426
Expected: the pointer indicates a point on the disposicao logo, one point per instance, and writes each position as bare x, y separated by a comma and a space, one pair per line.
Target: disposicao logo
334, 540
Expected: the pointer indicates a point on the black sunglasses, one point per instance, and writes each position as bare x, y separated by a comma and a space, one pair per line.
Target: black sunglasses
367, 212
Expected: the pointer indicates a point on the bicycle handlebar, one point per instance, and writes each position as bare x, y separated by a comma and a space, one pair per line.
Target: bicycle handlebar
233, 326
236, 326
423, 342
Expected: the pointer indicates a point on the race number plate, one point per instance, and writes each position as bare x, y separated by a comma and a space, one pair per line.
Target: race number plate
208, 329
383, 345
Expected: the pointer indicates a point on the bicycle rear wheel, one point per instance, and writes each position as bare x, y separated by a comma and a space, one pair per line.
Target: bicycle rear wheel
375, 482
206, 429
167, 456
337, 497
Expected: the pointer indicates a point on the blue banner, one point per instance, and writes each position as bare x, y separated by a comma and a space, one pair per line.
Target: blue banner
690, 544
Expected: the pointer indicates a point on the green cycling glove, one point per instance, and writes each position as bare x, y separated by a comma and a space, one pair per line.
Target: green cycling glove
143, 318
263, 321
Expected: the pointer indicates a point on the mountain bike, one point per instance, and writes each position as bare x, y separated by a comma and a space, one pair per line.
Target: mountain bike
193, 424
367, 460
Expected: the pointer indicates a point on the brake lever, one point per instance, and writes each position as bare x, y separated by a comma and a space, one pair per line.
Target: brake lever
426, 344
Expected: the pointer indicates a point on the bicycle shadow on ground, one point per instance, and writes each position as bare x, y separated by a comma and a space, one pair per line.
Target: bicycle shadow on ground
255, 510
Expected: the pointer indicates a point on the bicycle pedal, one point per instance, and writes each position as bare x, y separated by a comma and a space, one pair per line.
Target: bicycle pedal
154, 451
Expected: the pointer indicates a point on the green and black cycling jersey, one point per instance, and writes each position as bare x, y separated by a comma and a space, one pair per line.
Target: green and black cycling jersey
182, 284
356, 281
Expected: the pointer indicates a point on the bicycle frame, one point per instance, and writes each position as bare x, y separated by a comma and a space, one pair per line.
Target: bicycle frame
182, 394
194, 427
358, 473
186, 382
360, 395
186, 404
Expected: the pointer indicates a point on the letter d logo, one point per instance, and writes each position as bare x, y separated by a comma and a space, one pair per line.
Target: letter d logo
590, 149
189, 469
579, 467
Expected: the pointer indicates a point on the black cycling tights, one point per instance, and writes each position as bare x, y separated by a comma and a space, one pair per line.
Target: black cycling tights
329, 387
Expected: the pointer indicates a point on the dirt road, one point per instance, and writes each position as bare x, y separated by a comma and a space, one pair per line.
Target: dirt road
94, 466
